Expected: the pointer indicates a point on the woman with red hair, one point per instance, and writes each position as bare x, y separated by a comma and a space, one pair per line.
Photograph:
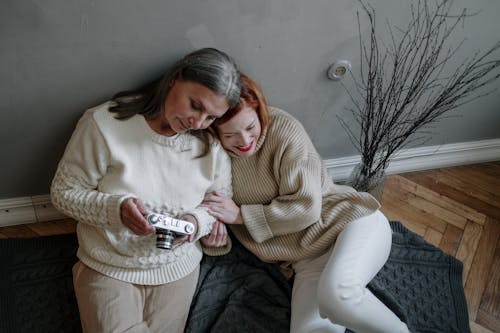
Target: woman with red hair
286, 209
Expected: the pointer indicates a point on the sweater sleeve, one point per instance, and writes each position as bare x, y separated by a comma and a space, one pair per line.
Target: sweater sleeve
218, 251
298, 172
222, 174
74, 187
221, 182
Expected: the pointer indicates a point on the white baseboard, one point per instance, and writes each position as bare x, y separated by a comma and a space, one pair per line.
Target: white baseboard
424, 158
24, 210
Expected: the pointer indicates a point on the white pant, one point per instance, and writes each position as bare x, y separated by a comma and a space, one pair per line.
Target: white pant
334, 284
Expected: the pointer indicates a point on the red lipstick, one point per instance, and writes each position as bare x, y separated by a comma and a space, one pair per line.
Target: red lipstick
245, 149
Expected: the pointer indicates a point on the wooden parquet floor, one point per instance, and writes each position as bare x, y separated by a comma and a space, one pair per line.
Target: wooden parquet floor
456, 209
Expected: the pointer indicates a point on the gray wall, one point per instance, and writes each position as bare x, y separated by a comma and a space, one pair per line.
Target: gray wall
59, 57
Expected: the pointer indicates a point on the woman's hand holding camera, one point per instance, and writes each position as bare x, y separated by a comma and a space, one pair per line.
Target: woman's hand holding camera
132, 214
189, 238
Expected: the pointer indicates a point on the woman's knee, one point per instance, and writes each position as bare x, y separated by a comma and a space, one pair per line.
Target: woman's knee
340, 301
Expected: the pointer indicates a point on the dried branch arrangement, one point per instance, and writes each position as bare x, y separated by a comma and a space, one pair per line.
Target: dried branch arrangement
404, 84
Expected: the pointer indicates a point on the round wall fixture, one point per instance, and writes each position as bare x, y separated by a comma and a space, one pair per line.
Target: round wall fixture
338, 69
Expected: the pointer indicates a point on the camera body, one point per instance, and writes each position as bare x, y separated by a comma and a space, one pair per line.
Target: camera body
167, 229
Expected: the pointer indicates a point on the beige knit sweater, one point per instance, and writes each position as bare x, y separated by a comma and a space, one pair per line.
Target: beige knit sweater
291, 208
107, 161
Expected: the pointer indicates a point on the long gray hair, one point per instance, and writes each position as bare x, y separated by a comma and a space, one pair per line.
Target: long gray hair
209, 67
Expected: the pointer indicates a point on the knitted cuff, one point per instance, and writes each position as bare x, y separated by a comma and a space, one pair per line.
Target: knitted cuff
218, 251
255, 222
114, 203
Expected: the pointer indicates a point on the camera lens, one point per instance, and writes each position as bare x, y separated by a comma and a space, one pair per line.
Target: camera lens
164, 239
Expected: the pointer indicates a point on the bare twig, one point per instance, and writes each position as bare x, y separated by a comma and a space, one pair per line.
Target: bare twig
401, 87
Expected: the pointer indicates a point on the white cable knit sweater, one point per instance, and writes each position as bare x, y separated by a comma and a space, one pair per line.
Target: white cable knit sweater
107, 161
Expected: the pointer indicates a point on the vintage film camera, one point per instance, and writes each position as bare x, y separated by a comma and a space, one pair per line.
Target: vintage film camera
167, 228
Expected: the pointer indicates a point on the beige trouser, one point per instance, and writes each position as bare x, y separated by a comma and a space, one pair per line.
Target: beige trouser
108, 305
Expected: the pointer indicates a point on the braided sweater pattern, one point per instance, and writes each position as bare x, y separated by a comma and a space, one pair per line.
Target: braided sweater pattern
108, 161
291, 208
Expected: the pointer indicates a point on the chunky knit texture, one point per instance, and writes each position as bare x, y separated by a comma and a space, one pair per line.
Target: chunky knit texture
107, 161
236, 292
420, 283
291, 208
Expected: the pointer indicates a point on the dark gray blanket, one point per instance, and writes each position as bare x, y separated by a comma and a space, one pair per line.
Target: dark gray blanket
36, 286
419, 282
236, 292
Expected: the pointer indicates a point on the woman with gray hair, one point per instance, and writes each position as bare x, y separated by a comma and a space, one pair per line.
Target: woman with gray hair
145, 151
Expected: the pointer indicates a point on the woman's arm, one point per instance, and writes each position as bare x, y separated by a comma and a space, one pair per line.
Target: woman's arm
297, 206
298, 178
74, 187
221, 176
